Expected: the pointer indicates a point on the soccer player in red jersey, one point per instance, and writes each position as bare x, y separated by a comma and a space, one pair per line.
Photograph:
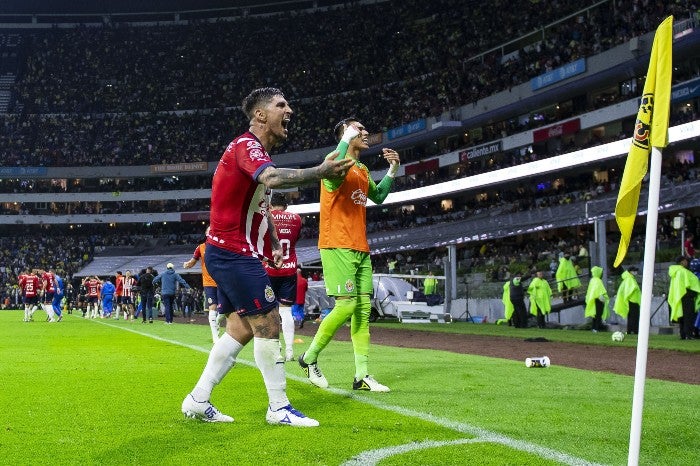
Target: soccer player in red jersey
29, 284
298, 311
284, 278
119, 291
48, 286
127, 299
93, 285
241, 235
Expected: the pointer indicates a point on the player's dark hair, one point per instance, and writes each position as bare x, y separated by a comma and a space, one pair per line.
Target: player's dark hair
338, 129
258, 96
278, 199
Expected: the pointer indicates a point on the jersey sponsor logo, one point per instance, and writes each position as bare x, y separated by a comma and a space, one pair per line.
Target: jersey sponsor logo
253, 144
285, 231
349, 286
359, 197
269, 294
283, 215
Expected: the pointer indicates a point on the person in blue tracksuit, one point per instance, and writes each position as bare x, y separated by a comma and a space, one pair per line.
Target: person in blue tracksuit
107, 294
168, 281
60, 288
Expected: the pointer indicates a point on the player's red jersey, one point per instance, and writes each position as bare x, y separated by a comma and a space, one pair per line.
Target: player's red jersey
128, 284
238, 217
302, 288
288, 225
49, 282
30, 285
20, 279
119, 285
93, 287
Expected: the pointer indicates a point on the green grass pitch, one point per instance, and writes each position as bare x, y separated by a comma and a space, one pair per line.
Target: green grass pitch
109, 392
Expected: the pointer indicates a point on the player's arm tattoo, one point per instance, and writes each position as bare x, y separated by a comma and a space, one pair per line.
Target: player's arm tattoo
274, 239
274, 177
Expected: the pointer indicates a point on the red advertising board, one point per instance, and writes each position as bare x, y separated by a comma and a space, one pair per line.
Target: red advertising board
568, 127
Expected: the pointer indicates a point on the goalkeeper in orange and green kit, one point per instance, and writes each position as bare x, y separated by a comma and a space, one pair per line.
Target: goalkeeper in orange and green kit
347, 267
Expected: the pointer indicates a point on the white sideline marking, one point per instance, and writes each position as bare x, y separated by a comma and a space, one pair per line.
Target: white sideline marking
372, 457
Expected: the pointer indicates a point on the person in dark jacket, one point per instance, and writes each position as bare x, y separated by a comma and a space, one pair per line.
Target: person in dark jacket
168, 289
145, 280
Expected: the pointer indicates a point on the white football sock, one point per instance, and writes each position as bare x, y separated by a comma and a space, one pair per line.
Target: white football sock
287, 327
213, 314
222, 357
271, 364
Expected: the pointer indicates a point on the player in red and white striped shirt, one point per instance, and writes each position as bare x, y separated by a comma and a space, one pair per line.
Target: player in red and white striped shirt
128, 295
241, 233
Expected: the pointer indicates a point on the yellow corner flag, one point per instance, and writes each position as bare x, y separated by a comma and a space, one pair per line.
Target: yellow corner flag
650, 130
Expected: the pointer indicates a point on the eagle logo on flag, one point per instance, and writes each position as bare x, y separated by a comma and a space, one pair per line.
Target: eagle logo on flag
642, 128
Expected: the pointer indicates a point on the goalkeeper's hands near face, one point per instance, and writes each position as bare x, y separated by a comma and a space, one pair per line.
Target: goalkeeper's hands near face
391, 156
350, 132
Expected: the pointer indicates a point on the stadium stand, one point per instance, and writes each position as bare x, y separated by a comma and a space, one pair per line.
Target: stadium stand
104, 124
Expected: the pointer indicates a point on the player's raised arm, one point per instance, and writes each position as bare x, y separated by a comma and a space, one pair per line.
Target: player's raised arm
276, 178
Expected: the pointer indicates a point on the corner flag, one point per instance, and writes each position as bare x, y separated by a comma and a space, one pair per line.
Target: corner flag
650, 130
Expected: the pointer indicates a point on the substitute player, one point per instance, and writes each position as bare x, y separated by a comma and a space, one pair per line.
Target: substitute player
210, 290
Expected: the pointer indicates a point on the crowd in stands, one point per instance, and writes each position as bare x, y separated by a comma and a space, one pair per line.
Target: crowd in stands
94, 185
117, 207
86, 96
514, 199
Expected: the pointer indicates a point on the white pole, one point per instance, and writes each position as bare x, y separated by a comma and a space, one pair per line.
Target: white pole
645, 307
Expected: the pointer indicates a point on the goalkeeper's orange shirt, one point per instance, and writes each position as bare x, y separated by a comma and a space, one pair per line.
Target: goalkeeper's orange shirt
199, 254
343, 219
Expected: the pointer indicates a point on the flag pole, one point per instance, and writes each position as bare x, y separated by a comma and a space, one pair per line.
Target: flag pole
645, 306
